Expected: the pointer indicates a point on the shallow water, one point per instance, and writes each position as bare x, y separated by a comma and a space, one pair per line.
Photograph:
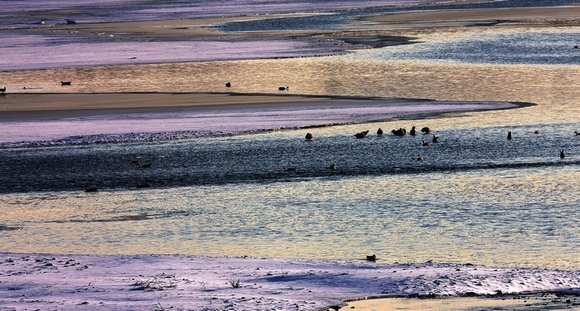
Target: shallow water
476, 197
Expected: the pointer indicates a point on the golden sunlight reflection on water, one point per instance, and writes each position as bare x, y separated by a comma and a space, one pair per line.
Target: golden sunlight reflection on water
492, 219
262, 220
553, 88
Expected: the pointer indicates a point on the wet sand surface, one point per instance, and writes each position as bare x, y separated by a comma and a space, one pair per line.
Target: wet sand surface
529, 302
30, 106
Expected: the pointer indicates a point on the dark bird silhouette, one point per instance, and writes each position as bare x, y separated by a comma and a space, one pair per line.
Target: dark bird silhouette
143, 184
91, 189
420, 158
577, 133
380, 131
562, 154
65, 83
142, 165
362, 134
509, 135
3, 90
309, 136
372, 257
228, 84
289, 169
435, 139
400, 132
426, 130
536, 132
413, 131
283, 88
333, 167
426, 143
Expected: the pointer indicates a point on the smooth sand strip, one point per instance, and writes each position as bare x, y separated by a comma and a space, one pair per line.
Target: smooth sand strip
31, 106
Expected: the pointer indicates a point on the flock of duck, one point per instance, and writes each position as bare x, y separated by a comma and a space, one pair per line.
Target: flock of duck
359, 135
397, 132
413, 132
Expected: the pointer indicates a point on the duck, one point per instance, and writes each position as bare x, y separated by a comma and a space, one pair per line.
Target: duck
426, 143
413, 131
426, 130
400, 132
537, 132
577, 133
562, 154
91, 189
509, 136
309, 136
65, 82
372, 257
380, 131
142, 165
143, 184
362, 134
228, 84
289, 169
333, 167
420, 158
3, 90
283, 88
435, 139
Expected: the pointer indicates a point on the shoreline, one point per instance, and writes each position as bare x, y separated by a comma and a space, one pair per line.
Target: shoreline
212, 283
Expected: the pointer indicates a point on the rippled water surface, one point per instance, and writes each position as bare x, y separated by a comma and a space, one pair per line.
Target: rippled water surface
477, 197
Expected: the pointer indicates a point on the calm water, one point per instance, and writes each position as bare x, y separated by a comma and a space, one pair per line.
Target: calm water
477, 197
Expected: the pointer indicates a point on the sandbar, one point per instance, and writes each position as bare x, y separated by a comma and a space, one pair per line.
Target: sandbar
41, 106
390, 29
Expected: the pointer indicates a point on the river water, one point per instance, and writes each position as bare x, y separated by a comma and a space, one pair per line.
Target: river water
477, 197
